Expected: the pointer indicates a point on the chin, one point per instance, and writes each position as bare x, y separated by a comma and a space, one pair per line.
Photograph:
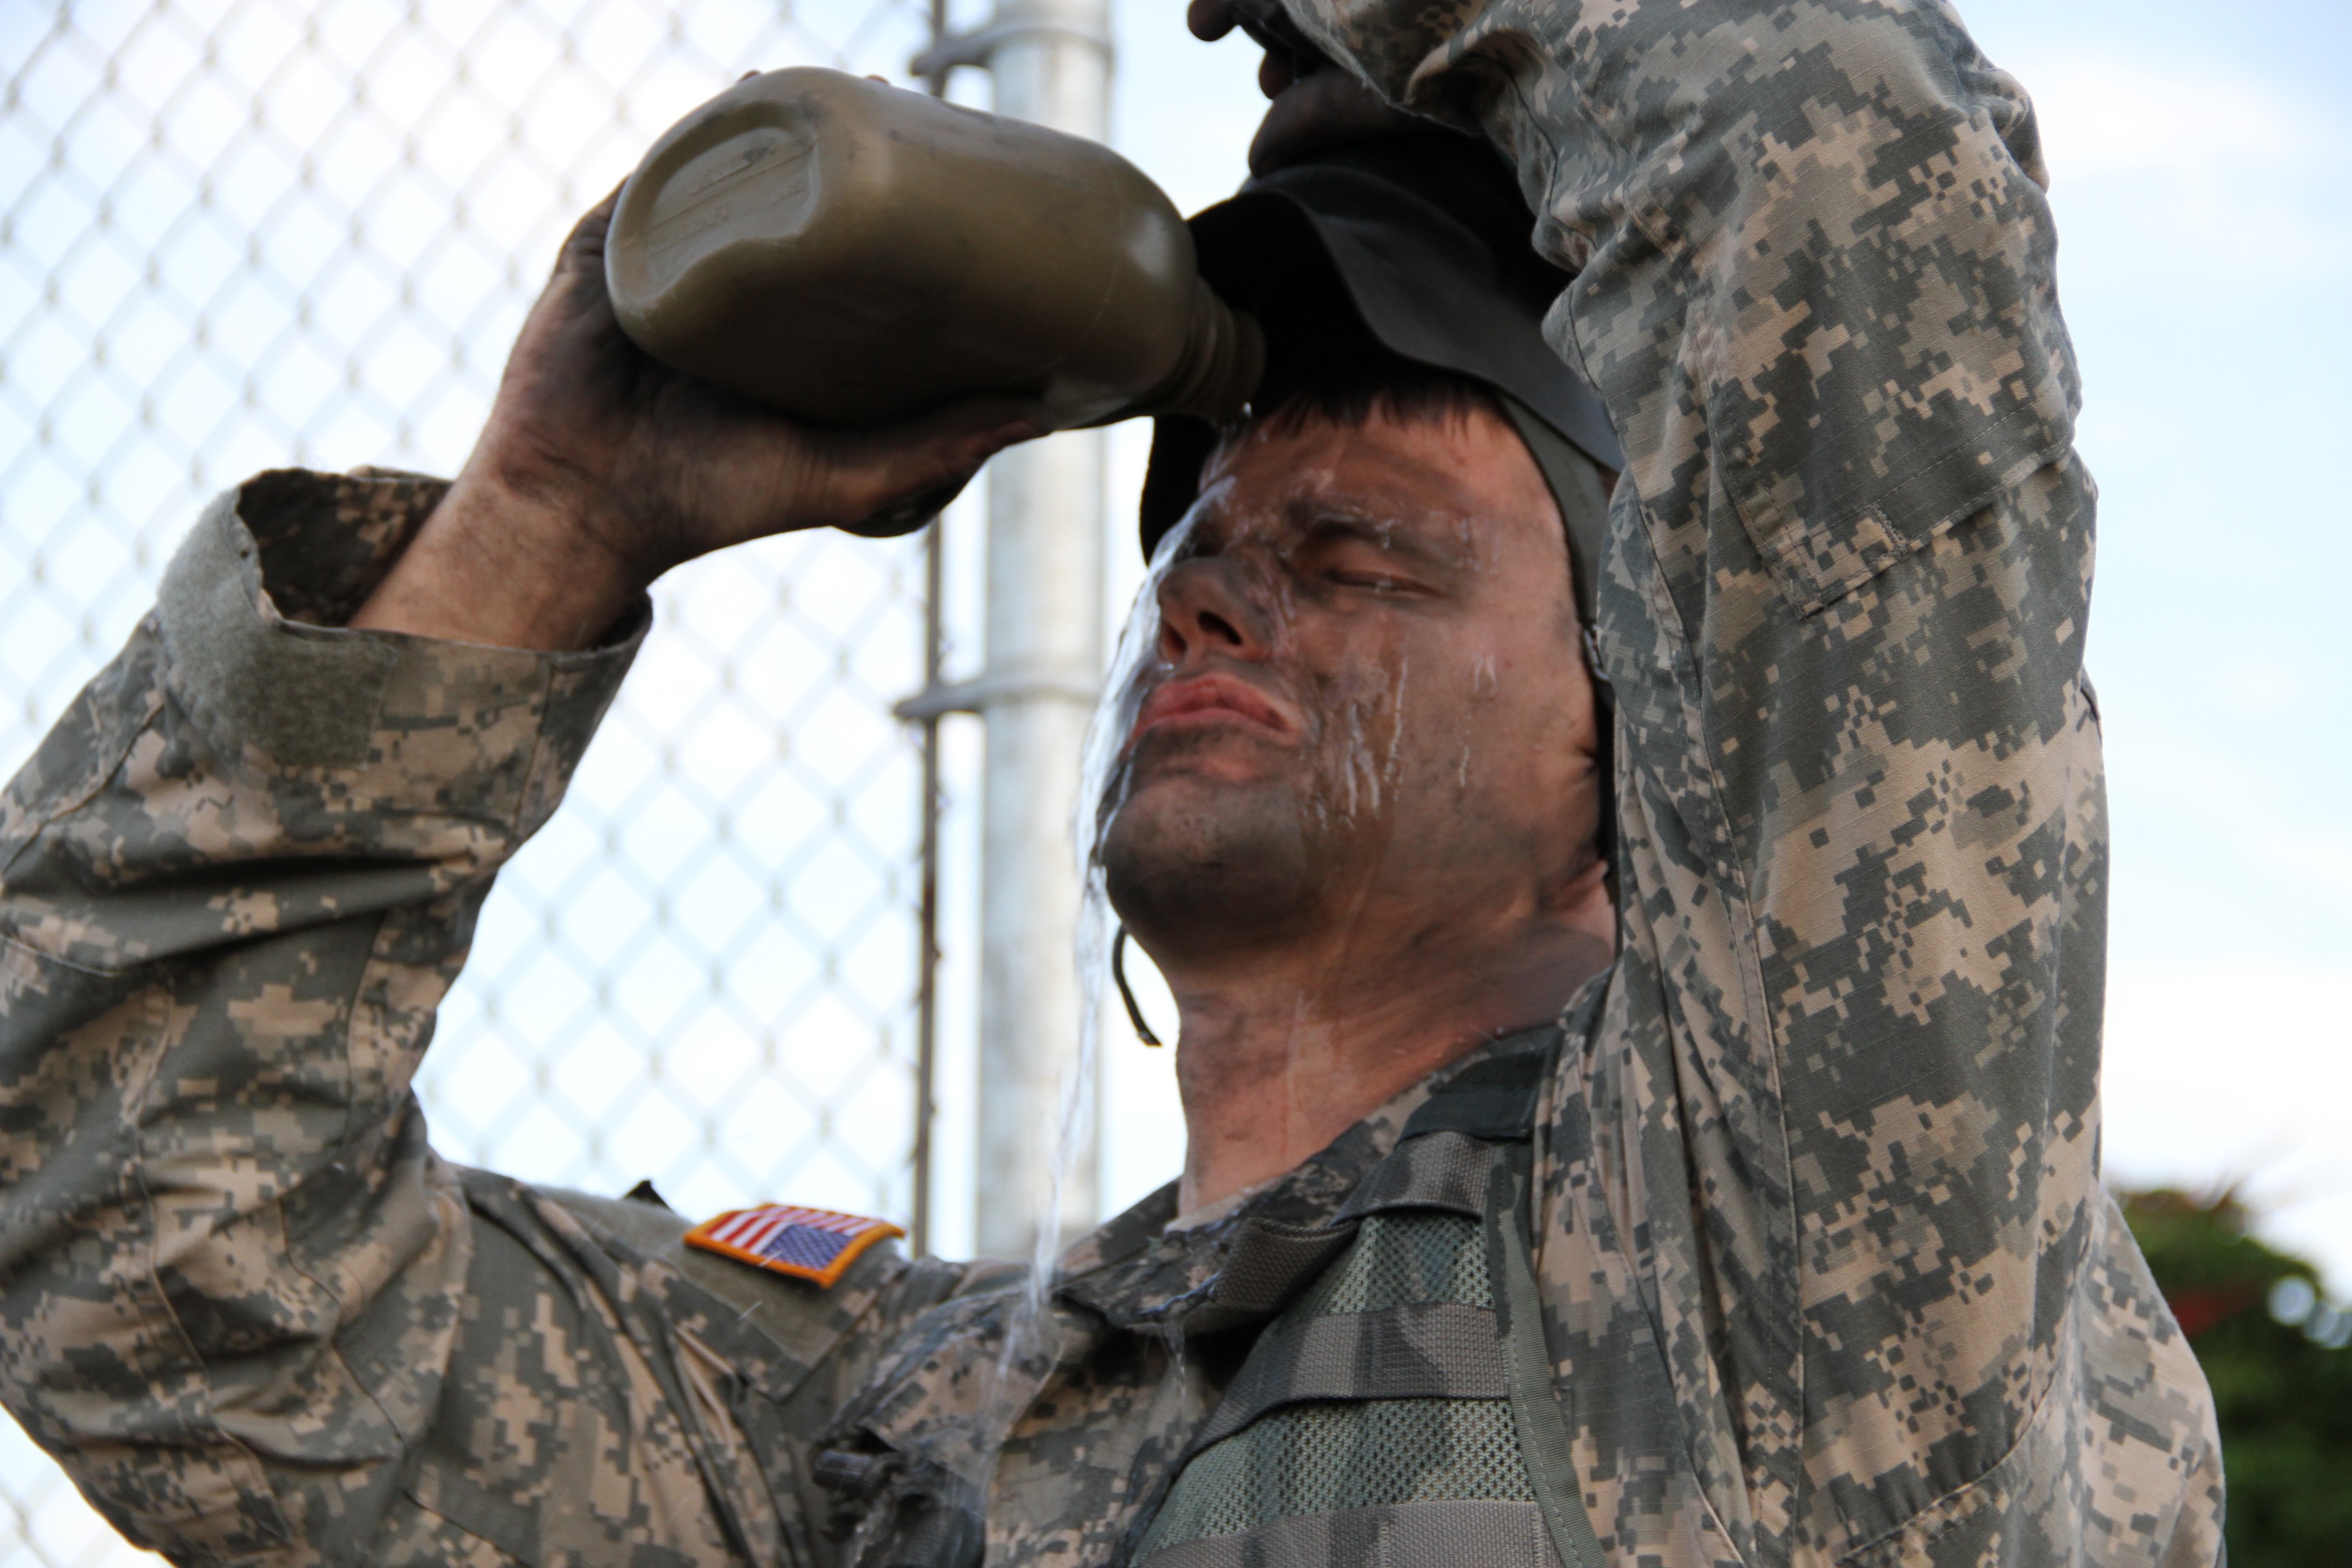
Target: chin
1193, 863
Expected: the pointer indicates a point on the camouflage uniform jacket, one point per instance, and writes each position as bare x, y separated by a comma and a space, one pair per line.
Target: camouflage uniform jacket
1829, 1275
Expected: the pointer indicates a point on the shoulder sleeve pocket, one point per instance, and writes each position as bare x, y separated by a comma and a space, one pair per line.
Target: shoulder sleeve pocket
1875, 327
1817, 554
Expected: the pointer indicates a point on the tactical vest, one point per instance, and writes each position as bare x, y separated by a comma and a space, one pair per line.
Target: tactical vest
1399, 1411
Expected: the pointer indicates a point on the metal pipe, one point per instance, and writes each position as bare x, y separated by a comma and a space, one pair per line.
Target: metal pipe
1045, 570
1051, 64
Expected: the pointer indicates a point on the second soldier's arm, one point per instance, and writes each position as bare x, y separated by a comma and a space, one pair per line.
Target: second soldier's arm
1825, 1178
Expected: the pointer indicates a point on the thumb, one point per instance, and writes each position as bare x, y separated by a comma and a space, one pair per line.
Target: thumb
905, 516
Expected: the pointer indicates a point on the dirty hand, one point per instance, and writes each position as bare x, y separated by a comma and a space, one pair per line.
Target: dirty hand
599, 468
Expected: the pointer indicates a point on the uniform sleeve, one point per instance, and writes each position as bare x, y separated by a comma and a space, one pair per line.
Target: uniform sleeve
1838, 1119
234, 882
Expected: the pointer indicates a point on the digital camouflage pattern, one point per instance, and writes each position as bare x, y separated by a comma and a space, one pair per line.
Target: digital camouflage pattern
1401, 1409
1829, 1263
242, 1300
1829, 1277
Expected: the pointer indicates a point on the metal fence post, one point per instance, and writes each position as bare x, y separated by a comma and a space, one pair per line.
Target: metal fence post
1050, 61
1051, 64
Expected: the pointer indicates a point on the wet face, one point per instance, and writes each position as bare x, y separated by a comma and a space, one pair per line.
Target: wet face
1367, 721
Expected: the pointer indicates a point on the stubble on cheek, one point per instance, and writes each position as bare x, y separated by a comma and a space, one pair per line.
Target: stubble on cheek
1194, 861
1219, 838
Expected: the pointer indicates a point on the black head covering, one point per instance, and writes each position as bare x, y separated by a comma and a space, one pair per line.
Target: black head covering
1419, 244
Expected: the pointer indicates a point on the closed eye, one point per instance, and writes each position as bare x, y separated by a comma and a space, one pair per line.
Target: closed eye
1349, 555
1373, 582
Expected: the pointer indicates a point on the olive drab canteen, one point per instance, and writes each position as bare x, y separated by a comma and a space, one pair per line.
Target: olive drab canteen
855, 253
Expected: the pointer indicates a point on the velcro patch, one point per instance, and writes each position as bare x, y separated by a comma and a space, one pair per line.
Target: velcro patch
807, 1244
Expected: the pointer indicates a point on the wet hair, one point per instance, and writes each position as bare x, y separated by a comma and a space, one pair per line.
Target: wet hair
1384, 385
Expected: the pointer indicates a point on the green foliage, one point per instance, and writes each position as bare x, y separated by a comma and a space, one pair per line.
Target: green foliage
2283, 1388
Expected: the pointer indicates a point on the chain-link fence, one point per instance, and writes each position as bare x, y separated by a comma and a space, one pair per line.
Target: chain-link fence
241, 234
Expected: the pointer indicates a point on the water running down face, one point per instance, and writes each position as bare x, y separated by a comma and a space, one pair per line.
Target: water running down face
1363, 749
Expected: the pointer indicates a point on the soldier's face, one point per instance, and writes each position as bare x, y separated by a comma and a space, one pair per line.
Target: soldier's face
1366, 716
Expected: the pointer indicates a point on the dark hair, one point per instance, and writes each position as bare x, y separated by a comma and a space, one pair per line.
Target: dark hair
1390, 386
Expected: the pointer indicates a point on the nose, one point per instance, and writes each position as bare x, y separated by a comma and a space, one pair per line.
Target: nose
1210, 605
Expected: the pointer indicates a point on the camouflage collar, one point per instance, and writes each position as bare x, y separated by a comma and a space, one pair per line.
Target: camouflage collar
1136, 1275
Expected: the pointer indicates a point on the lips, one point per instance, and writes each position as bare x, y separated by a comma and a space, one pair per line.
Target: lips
1208, 699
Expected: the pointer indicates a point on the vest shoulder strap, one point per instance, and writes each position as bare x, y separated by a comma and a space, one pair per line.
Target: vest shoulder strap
1492, 1100
1403, 1408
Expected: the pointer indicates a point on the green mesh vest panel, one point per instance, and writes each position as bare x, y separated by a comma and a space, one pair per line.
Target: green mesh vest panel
1400, 1411
1320, 1456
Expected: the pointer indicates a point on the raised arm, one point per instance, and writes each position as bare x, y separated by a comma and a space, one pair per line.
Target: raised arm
234, 882
1837, 1123
240, 1296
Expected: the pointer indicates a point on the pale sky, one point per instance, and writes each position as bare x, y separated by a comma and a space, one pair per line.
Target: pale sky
2202, 179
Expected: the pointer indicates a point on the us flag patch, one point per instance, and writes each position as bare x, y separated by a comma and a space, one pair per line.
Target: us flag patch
808, 1244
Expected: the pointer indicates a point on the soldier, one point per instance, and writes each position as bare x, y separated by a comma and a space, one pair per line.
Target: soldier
1754, 1219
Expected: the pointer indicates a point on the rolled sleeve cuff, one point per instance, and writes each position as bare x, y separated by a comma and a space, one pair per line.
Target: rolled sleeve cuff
250, 616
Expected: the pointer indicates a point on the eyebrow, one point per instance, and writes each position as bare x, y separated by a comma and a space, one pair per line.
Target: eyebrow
1317, 519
